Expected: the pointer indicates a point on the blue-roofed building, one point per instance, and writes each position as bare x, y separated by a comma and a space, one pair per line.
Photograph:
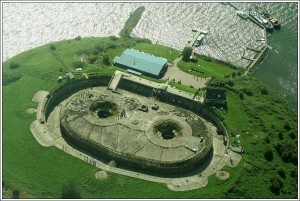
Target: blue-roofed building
141, 63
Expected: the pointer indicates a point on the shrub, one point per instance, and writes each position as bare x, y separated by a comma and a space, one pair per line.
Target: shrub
276, 184
268, 139
111, 46
52, 47
186, 53
78, 38
8, 78
106, 59
114, 38
13, 65
281, 173
143, 40
294, 173
99, 47
92, 59
241, 95
280, 135
287, 126
233, 74
292, 134
264, 91
69, 191
15, 194
287, 151
230, 83
248, 91
78, 64
268, 153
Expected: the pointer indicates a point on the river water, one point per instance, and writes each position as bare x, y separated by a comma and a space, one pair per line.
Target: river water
28, 25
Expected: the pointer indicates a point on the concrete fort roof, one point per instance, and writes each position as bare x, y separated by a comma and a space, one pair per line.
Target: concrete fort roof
140, 61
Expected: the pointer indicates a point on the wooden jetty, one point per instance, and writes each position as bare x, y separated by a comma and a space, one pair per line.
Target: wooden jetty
196, 36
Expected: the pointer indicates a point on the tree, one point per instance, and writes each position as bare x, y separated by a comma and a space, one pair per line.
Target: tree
186, 53
69, 191
268, 153
106, 59
276, 184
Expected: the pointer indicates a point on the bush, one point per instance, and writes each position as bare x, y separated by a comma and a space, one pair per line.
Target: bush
248, 91
233, 74
113, 38
8, 78
92, 59
13, 65
186, 53
52, 47
230, 83
15, 194
69, 191
78, 38
264, 91
287, 151
292, 134
268, 153
78, 64
281, 173
143, 40
287, 126
280, 135
268, 139
294, 173
99, 47
276, 184
106, 59
241, 94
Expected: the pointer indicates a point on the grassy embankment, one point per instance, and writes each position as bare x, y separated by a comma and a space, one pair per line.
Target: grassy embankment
40, 172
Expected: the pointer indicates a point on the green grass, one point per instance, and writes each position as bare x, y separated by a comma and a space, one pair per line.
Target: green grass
209, 69
39, 172
132, 21
158, 50
183, 87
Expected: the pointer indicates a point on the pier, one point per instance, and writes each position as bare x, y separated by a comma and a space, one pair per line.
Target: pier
260, 53
196, 36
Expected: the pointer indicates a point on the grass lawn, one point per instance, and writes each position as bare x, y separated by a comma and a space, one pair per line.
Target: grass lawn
158, 50
209, 69
39, 172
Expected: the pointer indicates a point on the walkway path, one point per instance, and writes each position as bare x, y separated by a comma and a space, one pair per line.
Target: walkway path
177, 74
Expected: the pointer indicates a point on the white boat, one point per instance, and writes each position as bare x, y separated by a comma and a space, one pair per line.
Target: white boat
242, 14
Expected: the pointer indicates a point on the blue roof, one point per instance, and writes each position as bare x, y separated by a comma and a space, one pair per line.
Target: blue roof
141, 61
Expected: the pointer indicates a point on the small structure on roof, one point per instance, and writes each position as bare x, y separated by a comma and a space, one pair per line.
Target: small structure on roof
217, 96
141, 63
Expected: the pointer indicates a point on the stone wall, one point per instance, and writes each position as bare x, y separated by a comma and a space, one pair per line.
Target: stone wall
67, 89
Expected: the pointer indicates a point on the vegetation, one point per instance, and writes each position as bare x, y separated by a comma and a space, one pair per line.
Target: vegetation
69, 191
261, 120
13, 65
132, 22
203, 68
186, 53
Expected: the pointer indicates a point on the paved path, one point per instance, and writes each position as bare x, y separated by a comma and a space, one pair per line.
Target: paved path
174, 72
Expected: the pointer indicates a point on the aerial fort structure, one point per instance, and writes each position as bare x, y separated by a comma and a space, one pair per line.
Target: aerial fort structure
134, 124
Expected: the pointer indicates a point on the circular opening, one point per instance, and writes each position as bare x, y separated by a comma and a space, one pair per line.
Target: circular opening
104, 109
167, 129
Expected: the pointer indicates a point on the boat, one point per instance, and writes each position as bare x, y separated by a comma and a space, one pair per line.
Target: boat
271, 19
261, 20
242, 14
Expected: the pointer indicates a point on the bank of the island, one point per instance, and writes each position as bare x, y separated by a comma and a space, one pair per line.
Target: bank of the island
256, 118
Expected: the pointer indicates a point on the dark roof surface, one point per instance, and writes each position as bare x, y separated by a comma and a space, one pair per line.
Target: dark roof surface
217, 94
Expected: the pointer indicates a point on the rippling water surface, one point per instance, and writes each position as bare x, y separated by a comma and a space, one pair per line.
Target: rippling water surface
28, 25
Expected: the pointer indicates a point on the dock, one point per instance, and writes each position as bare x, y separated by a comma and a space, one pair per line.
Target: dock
253, 49
194, 39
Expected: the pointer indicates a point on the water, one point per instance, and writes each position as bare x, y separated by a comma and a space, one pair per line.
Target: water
280, 68
28, 25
